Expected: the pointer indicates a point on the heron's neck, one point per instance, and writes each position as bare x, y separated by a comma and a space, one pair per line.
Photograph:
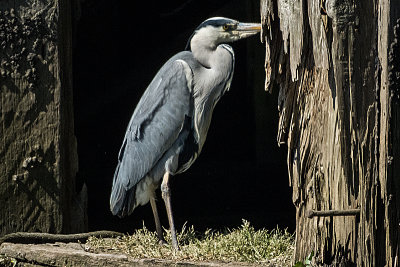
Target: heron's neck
204, 50
210, 82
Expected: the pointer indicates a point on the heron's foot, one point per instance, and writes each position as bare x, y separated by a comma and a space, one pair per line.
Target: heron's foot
175, 246
162, 242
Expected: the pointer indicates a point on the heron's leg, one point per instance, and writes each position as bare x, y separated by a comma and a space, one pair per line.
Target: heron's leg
166, 195
157, 220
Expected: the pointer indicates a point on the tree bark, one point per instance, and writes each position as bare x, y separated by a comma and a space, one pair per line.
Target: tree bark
37, 147
337, 66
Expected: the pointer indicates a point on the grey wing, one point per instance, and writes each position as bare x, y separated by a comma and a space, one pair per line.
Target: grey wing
153, 128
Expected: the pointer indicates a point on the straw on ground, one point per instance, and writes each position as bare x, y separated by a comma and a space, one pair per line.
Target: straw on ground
244, 244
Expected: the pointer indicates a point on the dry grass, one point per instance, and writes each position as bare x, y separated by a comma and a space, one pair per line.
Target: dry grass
244, 244
7, 261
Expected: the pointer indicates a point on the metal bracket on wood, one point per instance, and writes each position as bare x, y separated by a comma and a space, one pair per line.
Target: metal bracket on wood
327, 213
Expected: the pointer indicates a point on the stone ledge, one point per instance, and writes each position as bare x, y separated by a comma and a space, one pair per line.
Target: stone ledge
74, 254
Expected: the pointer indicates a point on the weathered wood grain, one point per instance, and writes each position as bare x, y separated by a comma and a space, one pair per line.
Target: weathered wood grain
339, 120
40, 238
37, 147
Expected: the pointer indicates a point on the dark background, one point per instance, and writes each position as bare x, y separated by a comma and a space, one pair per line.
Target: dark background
241, 173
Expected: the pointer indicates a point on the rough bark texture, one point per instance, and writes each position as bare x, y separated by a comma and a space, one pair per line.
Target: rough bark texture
40, 238
37, 147
337, 66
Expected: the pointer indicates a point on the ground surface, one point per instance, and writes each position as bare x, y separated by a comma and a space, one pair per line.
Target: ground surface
75, 254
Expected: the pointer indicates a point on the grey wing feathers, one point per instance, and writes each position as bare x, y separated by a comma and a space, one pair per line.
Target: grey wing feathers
153, 128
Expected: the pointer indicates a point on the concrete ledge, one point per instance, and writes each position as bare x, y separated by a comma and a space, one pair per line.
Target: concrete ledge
74, 254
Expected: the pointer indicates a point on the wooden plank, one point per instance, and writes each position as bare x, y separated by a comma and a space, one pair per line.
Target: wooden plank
37, 147
336, 117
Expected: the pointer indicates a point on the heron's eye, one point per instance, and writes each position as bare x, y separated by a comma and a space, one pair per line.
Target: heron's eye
225, 27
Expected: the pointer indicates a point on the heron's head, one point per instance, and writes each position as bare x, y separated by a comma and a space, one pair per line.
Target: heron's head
218, 30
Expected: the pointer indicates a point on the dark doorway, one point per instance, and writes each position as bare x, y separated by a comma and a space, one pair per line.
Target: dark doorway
241, 173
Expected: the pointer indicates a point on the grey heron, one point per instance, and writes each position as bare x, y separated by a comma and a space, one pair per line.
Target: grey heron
169, 125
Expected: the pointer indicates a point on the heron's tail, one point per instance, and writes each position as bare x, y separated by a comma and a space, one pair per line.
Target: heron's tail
122, 200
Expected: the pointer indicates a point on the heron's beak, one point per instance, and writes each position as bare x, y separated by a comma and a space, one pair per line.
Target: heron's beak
248, 29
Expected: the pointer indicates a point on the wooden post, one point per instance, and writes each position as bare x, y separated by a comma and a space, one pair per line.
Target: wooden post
37, 144
337, 65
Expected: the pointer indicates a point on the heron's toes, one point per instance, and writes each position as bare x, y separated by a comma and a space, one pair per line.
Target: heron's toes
162, 242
